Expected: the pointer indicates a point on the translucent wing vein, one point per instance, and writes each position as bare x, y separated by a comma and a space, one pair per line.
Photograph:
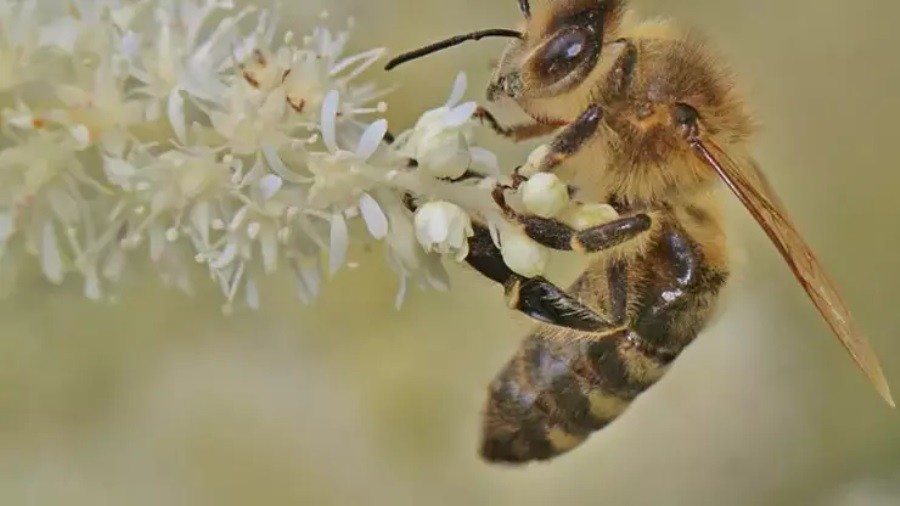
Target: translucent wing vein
752, 189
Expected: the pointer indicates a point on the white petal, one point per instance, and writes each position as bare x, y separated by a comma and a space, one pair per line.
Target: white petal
438, 229
175, 111
226, 257
238, 219
82, 136
367, 58
401, 292
462, 252
495, 233
371, 139
72, 96
329, 120
51, 259
6, 226
459, 89
310, 275
92, 285
8, 274
374, 217
435, 274
272, 109
302, 291
63, 205
339, 241
114, 265
269, 185
251, 294
62, 33
460, 114
445, 155
279, 167
268, 244
200, 219
118, 171
130, 44
157, 242
486, 159
235, 281
24, 120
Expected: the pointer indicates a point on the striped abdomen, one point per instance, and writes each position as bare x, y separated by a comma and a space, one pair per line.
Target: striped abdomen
563, 384
553, 394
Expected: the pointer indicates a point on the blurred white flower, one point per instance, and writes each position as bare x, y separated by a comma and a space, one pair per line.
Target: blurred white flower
444, 227
340, 174
184, 131
442, 138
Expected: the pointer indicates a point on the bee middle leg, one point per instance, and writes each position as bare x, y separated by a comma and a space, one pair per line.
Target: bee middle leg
560, 236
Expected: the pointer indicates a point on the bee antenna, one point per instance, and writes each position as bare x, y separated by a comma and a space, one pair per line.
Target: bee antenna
452, 41
525, 8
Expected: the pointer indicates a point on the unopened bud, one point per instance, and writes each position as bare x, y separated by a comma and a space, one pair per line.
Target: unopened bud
589, 215
535, 160
545, 195
523, 255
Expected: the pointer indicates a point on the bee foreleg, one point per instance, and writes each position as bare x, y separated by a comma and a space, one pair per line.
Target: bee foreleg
518, 132
536, 297
573, 137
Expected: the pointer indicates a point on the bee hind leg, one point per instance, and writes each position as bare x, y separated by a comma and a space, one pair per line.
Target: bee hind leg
536, 297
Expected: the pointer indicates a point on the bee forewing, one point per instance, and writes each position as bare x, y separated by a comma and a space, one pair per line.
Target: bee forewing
751, 187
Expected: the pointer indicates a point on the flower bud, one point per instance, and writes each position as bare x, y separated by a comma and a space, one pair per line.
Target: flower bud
589, 215
535, 159
521, 254
445, 153
544, 195
444, 227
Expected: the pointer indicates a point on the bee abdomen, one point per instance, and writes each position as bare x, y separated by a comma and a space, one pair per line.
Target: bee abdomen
553, 394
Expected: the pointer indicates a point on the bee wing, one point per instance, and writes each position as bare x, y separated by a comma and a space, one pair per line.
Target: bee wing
750, 185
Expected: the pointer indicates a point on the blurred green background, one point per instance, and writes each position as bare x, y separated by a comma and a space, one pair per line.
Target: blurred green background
160, 399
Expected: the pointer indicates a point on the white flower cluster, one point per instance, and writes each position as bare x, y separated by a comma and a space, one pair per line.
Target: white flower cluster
183, 132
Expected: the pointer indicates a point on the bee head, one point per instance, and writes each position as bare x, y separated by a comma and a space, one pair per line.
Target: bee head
551, 60
558, 50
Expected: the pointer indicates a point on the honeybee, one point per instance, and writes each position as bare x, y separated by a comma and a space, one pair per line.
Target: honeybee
647, 119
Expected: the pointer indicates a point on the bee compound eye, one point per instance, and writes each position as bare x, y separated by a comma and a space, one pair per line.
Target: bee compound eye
563, 53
